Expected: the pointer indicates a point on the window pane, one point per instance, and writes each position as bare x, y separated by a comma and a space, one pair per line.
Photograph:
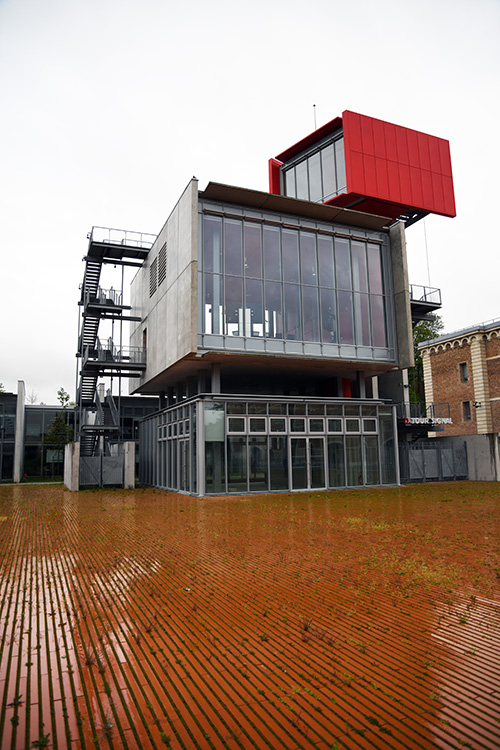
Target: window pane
257, 447
292, 312
279, 463
369, 425
272, 256
328, 164
238, 407
378, 321
213, 303
325, 259
346, 331
233, 247
257, 408
375, 269
353, 461
362, 318
278, 424
215, 480
308, 265
290, 182
336, 476
233, 287
315, 191
299, 463
254, 309
359, 267
328, 316
310, 313
257, 424
236, 424
370, 450
340, 163
212, 244
316, 425
301, 176
343, 263
317, 461
237, 464
290, 255
297, 425
334, 425
352, 425
274, 310
253, 250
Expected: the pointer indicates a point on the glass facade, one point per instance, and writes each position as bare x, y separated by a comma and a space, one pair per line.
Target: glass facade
319, 175
269, 287
250, 446
8, 404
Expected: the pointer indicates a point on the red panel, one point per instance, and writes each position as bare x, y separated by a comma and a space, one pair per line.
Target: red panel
437, 186
423, 151
449, 196
370, 175
427, 187
274, 176
382, 179
444, 153
416, 198
405, 182
402, 144
356, 180
367, 136
352, 130
311, 139
411, 137
379, 129
346, 388
393, 173
390, 142
434, 155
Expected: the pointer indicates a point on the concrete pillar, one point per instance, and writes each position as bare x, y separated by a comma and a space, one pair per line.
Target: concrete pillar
375, 387
19, 439
129, 465
404, 331
215, 377
72, 466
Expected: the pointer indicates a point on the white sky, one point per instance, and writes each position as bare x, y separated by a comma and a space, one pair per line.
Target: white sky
109, 107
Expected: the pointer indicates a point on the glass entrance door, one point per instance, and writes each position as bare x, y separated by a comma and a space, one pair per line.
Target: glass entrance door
307, 461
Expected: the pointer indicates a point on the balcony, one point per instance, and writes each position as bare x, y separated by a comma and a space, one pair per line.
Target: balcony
110, 359
424, 300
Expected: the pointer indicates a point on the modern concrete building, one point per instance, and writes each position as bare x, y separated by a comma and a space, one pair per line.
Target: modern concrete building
271, 319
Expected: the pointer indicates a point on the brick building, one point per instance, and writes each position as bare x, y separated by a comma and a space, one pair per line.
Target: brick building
463, 369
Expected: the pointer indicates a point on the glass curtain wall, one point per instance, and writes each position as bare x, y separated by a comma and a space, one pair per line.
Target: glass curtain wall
262, 281
319, 175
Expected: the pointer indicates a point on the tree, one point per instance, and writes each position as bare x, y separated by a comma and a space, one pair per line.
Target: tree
424, 330
59, 433
32, 397
2, 389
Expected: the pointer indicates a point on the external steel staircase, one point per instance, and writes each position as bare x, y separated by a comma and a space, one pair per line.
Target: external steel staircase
98, 422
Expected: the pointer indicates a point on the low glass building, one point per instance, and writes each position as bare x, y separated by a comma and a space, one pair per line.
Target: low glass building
223, 444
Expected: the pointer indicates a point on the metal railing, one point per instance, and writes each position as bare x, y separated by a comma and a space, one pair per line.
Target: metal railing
121, 237
427, 294
112, 353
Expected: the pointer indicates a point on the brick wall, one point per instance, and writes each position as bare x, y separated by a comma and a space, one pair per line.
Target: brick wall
449, 388
493, 365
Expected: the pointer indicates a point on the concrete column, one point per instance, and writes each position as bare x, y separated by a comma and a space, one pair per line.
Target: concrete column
72, 466
129, 465
215, 377
375, 386
19, 439
481, 386
404, 332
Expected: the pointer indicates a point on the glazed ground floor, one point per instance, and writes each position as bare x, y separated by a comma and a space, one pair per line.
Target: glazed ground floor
215, 444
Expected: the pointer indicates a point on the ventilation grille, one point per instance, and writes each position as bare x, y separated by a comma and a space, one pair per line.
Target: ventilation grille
162, 264
152, 277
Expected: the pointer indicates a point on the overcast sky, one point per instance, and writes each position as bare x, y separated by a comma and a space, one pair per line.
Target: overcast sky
109, 107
